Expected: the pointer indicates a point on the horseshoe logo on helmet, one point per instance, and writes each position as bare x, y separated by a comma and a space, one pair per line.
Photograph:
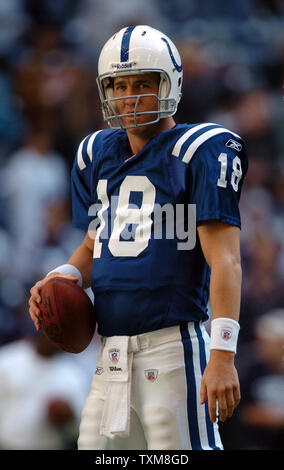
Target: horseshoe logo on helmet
177, 67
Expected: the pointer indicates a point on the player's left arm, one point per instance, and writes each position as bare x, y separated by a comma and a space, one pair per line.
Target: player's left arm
220, 244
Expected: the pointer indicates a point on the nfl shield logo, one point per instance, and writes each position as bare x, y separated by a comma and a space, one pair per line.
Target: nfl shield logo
114, 355
151, 374
226, 333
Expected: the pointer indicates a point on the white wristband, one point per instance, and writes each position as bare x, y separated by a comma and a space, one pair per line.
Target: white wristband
69, 269
224, 334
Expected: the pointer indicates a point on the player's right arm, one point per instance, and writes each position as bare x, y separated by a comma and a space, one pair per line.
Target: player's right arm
82, 175
82, 259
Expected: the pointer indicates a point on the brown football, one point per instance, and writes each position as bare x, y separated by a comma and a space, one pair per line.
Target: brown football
68, 315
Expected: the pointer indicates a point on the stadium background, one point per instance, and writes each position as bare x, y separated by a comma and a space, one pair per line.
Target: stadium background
233, 55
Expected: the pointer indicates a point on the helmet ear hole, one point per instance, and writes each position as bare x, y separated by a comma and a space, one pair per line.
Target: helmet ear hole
108, 87
164, 87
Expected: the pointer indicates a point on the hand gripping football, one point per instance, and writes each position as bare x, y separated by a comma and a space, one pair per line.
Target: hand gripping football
68, 315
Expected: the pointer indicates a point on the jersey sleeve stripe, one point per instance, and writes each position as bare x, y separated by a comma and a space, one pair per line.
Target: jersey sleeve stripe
90, 139
201, 139
186, 135
80, 161
90, 144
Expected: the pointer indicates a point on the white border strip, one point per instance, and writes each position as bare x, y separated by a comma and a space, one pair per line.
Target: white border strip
201, 139
186, 135
80, 160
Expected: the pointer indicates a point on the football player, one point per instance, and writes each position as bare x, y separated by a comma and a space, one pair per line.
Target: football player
161, 382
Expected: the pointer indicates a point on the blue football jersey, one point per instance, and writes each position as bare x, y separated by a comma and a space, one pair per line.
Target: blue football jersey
145, 276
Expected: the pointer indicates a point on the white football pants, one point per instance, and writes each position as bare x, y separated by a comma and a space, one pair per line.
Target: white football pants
164, 386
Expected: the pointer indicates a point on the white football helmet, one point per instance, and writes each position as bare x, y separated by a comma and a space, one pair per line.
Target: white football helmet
137, 50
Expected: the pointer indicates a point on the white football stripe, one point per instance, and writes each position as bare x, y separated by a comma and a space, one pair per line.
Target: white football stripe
198, 374
186, 135
201, 139
201, 410
80, 160
90, 144
185, 434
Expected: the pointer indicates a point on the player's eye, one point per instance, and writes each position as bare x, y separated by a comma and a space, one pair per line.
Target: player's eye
120, 87
143, 85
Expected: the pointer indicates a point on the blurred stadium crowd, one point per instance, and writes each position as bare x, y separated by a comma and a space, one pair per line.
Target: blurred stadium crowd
233, 58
